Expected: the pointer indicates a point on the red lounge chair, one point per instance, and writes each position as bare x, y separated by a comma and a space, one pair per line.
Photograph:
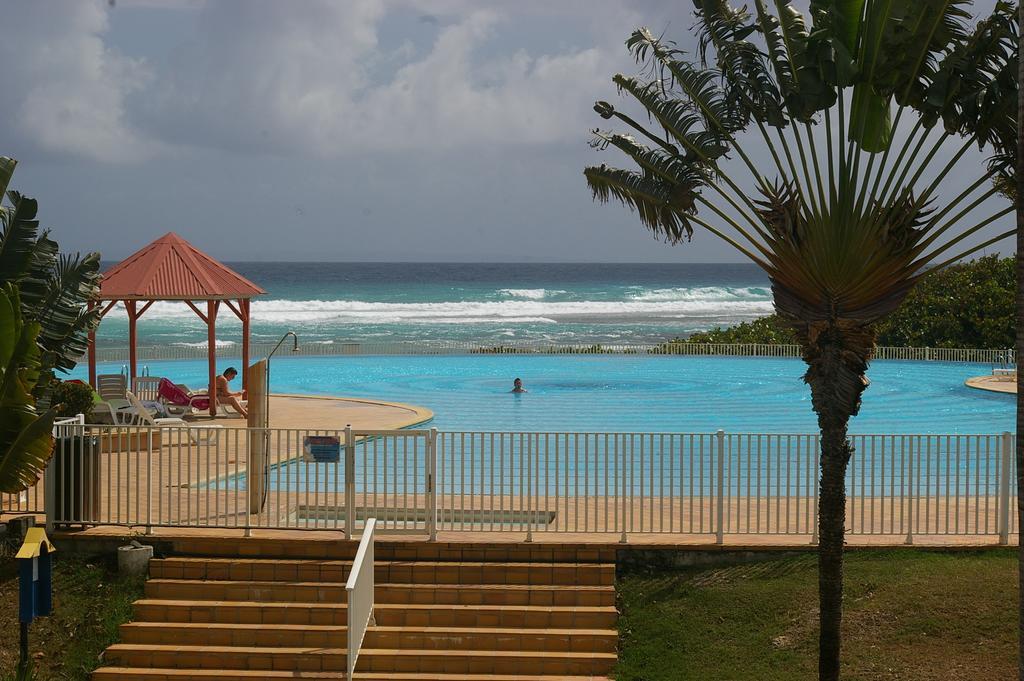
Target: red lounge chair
179, 401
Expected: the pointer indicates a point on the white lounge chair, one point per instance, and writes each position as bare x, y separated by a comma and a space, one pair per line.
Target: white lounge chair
111, 386
131, 412
197, 432
146, 388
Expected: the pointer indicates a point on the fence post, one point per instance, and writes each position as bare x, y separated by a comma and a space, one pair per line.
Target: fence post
50, 485
350, 482
720, 495
1004, 489
620, 444
815, 484
431, 484
910, 495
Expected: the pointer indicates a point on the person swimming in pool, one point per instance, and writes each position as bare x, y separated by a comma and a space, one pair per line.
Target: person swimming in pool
517, 386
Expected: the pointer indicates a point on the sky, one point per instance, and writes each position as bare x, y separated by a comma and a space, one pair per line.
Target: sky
356, 130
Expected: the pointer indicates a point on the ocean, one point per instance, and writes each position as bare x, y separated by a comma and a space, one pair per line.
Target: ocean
479, 302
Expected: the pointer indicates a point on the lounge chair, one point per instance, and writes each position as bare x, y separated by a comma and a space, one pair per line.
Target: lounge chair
112, 386
179, 400
134, 413
197, 432
146, 388
223, 409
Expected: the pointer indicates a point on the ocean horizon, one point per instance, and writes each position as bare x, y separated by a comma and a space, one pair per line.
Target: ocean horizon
558, 303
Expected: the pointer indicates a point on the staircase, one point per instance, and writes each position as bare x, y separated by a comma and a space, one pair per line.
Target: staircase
443, 613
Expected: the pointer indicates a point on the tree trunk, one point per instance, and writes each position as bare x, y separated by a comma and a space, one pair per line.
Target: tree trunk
835, 454
837, 355
1020, 343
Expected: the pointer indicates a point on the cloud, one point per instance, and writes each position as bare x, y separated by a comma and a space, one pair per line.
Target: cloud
307, 80
317, 78
65, 90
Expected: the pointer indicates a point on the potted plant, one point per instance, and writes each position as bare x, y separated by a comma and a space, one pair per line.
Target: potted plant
76, 462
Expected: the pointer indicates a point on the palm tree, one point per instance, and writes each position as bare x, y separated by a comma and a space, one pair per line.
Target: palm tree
44, 300
1019, 191
55, 289
846, 215
25, 439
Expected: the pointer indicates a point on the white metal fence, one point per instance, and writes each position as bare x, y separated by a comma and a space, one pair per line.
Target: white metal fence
359, 590
31, 501
620, 484
164, 352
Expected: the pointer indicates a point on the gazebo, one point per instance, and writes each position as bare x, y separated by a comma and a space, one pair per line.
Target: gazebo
172, 269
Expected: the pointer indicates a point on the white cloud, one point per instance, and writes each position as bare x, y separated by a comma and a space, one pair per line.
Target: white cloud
64, 89
310, 78
280, 79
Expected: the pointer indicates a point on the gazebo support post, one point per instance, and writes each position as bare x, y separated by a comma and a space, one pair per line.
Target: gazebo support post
92, 350
211, 352
243, 306
133, 357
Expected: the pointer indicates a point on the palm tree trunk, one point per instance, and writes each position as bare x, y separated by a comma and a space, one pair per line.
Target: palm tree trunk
837, 357
835, 454
1020, 342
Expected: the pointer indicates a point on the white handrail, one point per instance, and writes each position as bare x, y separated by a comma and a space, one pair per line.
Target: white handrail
359, 590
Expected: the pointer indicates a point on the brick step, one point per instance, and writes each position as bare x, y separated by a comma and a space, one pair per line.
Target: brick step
332, 592
266, 592
144, 674
492, 639
370, 659
394, 572
283, 570
332, 549
415, 638
496, 594
387, 614
250, 635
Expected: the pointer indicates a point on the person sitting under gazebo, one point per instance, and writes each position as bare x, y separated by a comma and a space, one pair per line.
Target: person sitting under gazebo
224, 393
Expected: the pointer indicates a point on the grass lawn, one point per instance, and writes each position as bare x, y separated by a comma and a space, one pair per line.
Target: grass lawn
910, 615
90, 601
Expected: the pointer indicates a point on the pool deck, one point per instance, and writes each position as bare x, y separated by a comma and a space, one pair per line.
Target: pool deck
310, 412
995, 384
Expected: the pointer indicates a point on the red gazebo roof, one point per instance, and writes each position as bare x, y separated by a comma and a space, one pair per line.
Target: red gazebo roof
171, 268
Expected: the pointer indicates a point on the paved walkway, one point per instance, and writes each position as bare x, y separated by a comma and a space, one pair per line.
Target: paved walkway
334, 413
996, 384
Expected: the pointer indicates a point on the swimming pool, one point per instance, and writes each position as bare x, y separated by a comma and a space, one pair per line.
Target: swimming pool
632, 393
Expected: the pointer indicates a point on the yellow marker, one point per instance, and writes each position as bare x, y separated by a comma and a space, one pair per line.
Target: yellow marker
35, 540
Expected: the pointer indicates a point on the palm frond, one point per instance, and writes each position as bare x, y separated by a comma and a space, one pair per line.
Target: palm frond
62, 312
678, 118
911, 43
661, 207
25, 435
747, 82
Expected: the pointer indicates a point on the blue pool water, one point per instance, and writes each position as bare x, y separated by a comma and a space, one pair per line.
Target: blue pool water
627, 393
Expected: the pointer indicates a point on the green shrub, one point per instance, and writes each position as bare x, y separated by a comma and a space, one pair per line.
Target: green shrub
969, 305
73, 399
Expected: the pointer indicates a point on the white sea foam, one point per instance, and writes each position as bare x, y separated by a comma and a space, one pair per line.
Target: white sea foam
702, 293
652, 305
527, 293
202, 344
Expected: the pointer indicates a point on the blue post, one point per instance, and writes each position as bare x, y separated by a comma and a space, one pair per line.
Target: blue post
35, 583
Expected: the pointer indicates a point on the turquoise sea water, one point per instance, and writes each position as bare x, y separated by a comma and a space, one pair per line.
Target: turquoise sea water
633, 393
484, 302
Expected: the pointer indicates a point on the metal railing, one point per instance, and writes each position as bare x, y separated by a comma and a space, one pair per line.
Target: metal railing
620, 484
340, 348
359, 590
31, 501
